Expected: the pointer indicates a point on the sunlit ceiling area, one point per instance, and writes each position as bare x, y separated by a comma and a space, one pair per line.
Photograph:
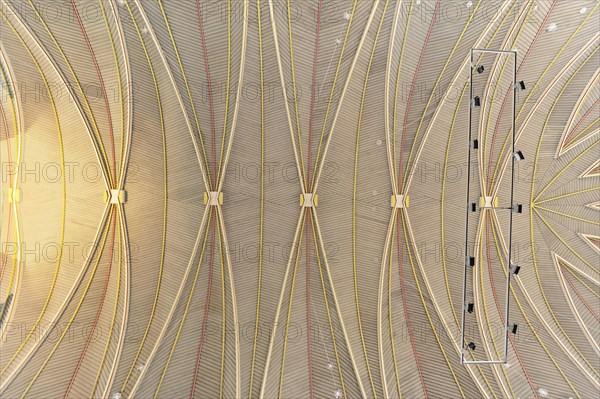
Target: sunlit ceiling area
299, 199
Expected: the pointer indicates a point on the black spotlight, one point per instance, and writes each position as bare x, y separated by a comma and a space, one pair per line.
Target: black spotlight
471, 346
480, 69
521, 86
475, 144
515, 269
519, 156
470, 307
476, 101
518, 208
512, 328
473, 207
471, 261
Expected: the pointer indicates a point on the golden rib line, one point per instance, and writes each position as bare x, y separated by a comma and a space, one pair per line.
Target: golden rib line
578, 140
533, 202
539, 100
300, 172
125, 149
98, 255
296, 113
556, 259
175, 302
98, 146
575, 273
297, 158
98, 150
186, 118
262, 194
437, 82
563, 145
205, 177
479, 315
521, 129
390, 314
190, 296
315, 182
9, 378
501, 248
567, 215
531, 303
484, 133
391, 154
120, 234
62, 308
354, 262
165, 194
482, 174
223, 165
318, 171
465, 63
409, 238
392, 159
185, 81
17, 113
331, 331
506, 40
392, 172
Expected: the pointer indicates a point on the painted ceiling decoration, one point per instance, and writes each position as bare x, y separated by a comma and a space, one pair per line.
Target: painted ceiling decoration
266, 198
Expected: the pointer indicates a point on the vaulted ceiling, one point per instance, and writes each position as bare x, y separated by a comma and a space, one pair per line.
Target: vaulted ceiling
196, 198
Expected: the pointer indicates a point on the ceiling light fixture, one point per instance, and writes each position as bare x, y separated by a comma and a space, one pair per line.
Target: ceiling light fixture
519, 156
469, 4
583, 10
552, 26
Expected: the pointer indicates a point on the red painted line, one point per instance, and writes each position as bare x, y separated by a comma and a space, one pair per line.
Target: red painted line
112, 140
400, 182
214, 184
513, 343
100, 306
581, 121
587, 305
210, 96
412, 89
537, 35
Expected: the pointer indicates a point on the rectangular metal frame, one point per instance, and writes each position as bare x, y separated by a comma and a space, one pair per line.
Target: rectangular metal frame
510, 231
